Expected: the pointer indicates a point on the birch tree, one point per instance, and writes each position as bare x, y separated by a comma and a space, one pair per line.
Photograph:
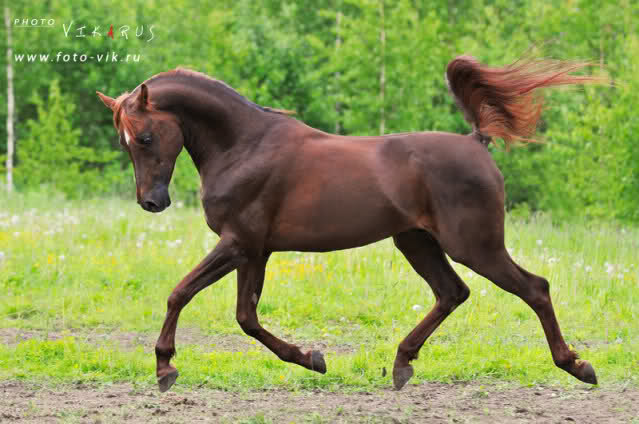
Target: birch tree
382, 70
10, 103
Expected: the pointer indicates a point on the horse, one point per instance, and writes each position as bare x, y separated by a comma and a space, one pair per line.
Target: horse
270, 183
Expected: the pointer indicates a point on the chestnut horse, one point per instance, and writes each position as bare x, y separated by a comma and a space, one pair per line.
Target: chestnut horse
270, 183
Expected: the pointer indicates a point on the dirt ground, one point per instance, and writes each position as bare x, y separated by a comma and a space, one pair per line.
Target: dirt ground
427, 403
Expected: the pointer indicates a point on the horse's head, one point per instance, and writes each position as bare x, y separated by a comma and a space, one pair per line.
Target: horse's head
153, 140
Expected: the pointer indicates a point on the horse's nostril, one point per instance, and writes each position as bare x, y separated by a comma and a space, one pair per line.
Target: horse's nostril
156, 200
149, 205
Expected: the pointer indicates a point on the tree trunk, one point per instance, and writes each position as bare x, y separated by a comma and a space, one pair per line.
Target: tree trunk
338, 43
10, 102
382, 71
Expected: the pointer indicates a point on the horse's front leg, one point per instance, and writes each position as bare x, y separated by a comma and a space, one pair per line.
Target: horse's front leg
250, 280
224, 258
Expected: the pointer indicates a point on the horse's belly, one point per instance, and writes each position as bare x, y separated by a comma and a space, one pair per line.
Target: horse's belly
334, 226
304, 241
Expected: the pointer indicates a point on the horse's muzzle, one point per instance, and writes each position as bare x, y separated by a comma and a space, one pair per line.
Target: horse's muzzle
156, 200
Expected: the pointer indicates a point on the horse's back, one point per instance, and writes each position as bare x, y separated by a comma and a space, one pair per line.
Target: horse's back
331, 197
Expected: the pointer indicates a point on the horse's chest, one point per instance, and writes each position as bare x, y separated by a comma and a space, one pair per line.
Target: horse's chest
215, 212
213, 224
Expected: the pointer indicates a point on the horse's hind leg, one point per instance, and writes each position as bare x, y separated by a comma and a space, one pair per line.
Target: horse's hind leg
250, 280
428, 259
497, 266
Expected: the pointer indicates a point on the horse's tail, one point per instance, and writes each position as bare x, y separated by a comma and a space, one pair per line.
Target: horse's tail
504, 102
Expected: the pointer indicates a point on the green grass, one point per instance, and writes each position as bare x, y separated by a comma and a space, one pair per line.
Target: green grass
107, 266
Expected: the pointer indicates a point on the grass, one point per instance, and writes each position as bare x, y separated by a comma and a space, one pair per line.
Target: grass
107, 266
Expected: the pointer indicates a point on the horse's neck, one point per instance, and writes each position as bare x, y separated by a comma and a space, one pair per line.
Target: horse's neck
214, 120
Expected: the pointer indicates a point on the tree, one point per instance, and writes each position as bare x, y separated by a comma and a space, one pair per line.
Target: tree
10, 102
52, 155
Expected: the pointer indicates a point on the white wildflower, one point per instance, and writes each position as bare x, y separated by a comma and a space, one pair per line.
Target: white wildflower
417, 308
609, 268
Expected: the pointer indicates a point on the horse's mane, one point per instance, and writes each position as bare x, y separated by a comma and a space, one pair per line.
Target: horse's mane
122, 120
189, 73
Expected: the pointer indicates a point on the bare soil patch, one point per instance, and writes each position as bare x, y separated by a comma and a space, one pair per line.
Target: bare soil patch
429, 403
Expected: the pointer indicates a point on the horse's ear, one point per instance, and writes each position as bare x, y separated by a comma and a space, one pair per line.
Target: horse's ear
108, 101
143, 97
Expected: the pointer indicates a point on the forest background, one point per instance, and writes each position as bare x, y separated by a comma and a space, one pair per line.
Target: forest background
357, 67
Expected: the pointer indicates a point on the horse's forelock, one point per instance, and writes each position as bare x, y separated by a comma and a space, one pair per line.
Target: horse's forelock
122, 120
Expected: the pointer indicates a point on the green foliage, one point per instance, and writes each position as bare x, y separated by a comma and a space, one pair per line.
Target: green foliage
324, 59
54, 144
185, 182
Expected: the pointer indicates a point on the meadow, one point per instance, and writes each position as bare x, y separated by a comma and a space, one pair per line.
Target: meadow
84, 287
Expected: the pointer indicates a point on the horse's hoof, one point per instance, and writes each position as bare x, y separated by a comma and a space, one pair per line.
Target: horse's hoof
317, 362
165, 382
401, 376
587, 373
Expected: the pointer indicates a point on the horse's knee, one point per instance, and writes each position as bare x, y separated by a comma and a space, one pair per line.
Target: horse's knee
248, 324
450, 301
175, 300
538, 293
542, 285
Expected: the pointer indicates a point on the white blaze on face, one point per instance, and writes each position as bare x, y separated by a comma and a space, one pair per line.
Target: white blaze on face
127, 138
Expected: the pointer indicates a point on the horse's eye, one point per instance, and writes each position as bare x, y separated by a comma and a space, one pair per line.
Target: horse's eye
145, 139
